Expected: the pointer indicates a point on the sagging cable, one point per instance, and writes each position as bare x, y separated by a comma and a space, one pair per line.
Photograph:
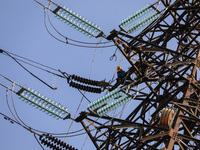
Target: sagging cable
53, 88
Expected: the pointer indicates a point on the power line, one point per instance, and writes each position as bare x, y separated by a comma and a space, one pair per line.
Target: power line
66, 38
28, 60
53, 88
36, 66
101, 84
25, 125
38, 142
84, 92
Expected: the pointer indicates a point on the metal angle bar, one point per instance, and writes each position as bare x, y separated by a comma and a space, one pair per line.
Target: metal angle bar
186, 7
127, 122
139, 146
188, 138
104, 142
142, 58
191, 100
174, 14
151, 49
190, 119
102, 133
122, 126
154, 136
134, 112
186, 105
185, 126
115, 132
131, 139
108, 139
90, 135
177, 121
148, 130
135, 67
167, 4
169, 33
179, 89
131, 147
94, 120
146, 100
163, 49
127, 146
184, 70
191, 28
188, 112
193, 39
159, 142
180, 63
180, 144
145, 106
123, 134
125, 55
124, 143
196, 86
150, 27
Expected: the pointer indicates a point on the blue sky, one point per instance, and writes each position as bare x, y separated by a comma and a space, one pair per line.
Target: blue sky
22, 32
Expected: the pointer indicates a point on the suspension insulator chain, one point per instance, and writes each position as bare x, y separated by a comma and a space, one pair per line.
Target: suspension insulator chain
85, 88
90, 82
54, 143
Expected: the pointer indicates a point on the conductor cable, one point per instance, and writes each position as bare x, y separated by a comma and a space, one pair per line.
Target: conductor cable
31, 72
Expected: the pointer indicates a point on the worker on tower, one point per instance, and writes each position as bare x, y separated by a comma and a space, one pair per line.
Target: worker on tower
122, 76
120, 73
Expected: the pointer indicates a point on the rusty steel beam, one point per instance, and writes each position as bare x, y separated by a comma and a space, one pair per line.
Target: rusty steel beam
90, 135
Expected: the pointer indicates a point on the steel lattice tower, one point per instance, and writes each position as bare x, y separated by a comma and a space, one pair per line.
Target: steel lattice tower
164, 57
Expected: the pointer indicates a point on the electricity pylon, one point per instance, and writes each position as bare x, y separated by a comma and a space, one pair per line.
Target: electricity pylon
164, 58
